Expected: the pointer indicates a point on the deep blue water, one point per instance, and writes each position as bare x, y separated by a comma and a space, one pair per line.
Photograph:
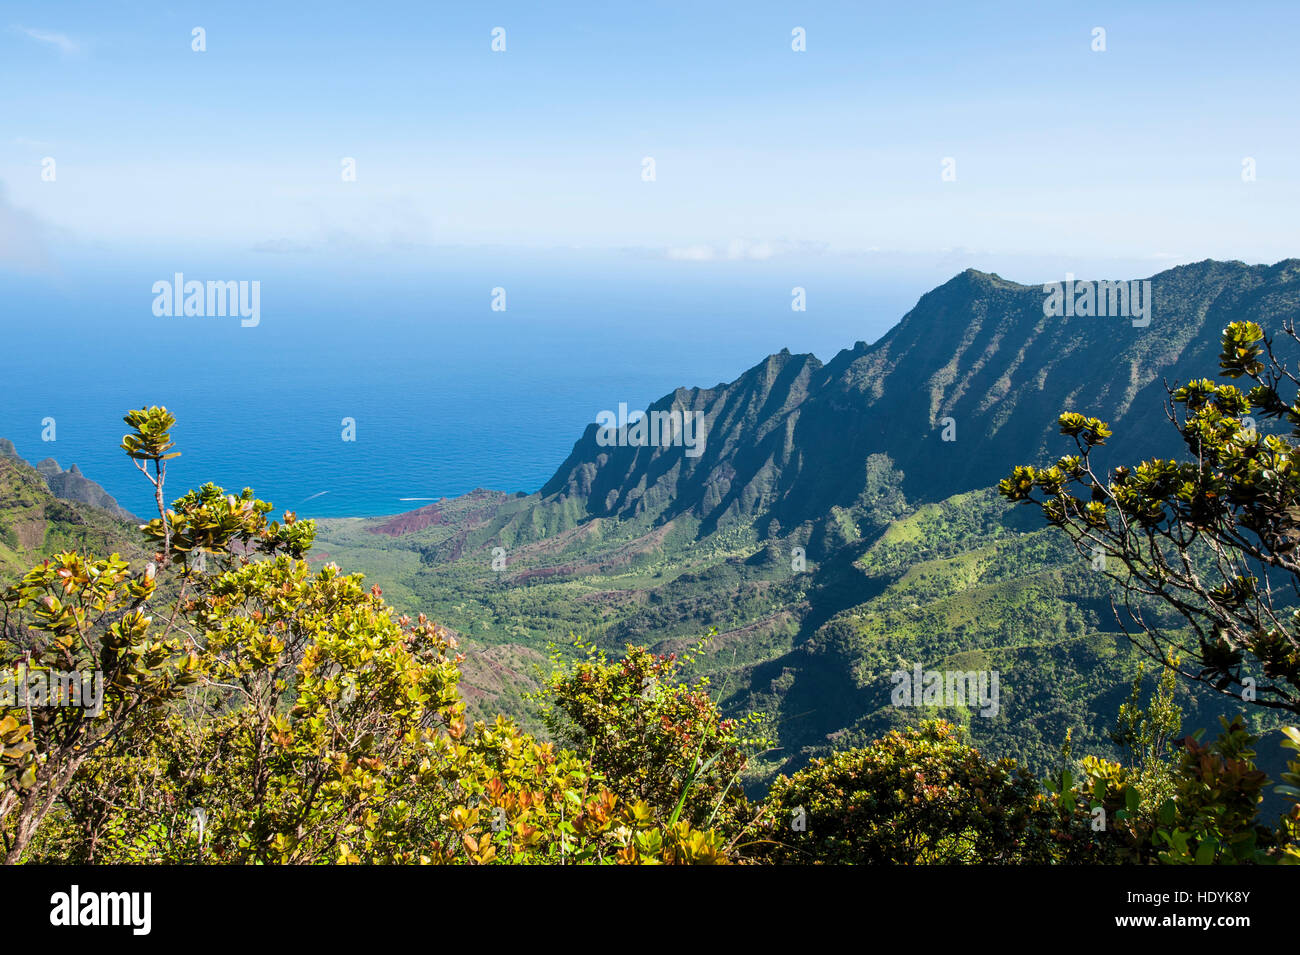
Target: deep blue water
447, 394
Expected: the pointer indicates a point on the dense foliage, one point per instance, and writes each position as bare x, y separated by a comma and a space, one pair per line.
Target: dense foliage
272, 712
257, 708
921, 796
652, 737
1212, 538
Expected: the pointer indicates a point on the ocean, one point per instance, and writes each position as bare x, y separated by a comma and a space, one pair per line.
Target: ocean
445, 393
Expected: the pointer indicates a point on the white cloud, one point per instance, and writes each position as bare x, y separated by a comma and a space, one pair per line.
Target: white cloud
739, 250
67, 46
692, 253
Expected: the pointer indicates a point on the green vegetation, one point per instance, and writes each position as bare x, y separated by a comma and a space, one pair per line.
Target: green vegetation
1212, 538
262, 705
273, 713
653, 738
909, 555
255, 709
34, 523
961, 583
921, 796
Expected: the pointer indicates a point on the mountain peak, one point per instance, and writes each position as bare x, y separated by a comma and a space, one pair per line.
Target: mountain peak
790, 438
975, 279
69, 485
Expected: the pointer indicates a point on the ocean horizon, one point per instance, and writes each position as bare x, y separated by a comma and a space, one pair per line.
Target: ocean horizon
444, 394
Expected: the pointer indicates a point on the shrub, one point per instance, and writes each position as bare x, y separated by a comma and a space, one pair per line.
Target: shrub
265, 711
920, 795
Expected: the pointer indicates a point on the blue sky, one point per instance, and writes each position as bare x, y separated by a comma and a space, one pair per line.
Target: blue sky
1064, 156
523, 169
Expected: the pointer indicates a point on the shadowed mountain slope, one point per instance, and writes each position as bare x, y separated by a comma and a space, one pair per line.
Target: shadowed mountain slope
791, 437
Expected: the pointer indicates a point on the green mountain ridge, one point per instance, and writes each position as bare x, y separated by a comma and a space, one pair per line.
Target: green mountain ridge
788, 439
828, 534
910, 557
70, 485
34, 523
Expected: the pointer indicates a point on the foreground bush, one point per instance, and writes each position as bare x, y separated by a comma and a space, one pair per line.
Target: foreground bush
653, 738
248, 707
265, 711
921, 795
1212, 815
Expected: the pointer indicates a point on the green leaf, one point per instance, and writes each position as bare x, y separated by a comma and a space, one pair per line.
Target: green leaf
1132, 799
1168, 811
